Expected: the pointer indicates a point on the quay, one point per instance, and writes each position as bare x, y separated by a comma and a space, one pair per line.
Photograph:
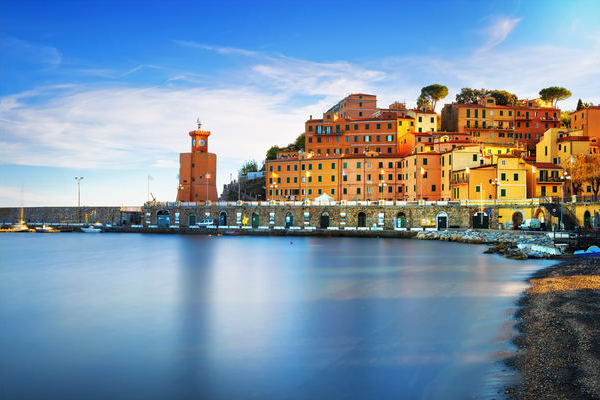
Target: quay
359, 217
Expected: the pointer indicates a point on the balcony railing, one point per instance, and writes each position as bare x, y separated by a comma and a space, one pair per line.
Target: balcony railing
549, 179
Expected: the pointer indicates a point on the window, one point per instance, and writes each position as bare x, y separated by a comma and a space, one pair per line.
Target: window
516, 177
380, 164
310, 139
503, 176
358, 164
279, 168
378, 126
319, 178
367, 138
420, 119
477, 188
389, 126
358, 177
355, 127
310, 128
345, 178
424, 161
433, 188
502, 192
288, 167
432, 120
367, 127
357, 190
474, 157
270, 168
345, 191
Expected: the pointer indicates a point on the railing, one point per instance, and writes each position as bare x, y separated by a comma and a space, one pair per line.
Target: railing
549, 179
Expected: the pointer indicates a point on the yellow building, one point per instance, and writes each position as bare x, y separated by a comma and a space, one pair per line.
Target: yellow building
544, 180
456, 160
425, 121
475, 183
511, 178
558, 145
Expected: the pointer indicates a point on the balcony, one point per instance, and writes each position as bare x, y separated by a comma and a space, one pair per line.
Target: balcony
523, 118
549, 179
548, 118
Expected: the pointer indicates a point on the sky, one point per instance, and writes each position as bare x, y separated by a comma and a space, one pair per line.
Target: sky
109, 90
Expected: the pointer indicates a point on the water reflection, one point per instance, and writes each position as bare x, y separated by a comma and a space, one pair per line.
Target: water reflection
187, 317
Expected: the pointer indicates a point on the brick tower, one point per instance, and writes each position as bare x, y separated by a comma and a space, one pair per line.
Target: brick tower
198, 170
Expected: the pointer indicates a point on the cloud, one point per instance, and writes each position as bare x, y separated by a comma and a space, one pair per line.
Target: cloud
21, 51
498, 30
219, 49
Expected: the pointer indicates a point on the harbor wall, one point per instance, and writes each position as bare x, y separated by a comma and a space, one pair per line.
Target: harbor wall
271, 215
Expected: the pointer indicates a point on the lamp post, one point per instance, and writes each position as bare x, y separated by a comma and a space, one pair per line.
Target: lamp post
468, 171
79, 179
564, 177
381, 185
306, 184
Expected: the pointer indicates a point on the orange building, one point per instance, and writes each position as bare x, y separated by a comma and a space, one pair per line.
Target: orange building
422, 177
302, 177
492, 123
371, 177
198, 170
588, 120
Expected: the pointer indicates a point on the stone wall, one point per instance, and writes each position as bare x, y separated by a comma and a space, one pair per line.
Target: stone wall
105, 215
417, 216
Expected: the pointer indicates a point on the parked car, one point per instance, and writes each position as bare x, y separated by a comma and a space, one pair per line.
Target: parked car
206, 222
531, 225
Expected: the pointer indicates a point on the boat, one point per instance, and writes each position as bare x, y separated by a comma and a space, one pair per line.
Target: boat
232, 233
90, 229
592, 251
20, 226
46, 229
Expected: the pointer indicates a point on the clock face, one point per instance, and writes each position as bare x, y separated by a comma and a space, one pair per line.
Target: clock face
202, 142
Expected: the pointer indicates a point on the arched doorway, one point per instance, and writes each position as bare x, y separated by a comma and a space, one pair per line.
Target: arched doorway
442, 220
517, 219
324, 221
587, 220
541, 215
362, 219
223, 218
400, 220
481, 220
163, 218
192, 219
255, 220
289, 220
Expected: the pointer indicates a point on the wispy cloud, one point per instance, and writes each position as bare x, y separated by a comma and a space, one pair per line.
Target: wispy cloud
219, 49
498, 30
29, 52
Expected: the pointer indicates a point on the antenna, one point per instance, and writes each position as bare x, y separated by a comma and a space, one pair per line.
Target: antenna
199, 123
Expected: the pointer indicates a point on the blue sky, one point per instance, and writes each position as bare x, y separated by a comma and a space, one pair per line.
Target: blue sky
108, 90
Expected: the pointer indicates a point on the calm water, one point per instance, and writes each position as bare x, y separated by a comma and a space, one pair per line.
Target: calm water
128, 316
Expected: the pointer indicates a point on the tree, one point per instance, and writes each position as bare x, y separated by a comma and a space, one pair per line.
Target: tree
423, 103
503, 97
554, 94
272, 152
299, 143
471, 96
565, 119
249, 166
581, 105
576, 169
434, 93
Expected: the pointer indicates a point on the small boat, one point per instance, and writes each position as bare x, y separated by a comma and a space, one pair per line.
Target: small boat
46, 229
592, 251
232, 233
90, 229
20, 226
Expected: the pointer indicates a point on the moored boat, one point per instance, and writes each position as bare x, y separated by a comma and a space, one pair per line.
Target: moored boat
592, 251
90, 229
46, 229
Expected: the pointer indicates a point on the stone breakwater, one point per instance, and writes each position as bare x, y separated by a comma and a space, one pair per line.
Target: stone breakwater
518, 245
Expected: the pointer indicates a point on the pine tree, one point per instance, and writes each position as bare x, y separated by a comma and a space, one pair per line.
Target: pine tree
580, 105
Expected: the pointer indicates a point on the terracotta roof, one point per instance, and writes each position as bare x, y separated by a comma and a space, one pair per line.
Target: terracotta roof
546, 165
574, 139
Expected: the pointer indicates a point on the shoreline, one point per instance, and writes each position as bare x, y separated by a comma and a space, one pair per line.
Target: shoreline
558, 333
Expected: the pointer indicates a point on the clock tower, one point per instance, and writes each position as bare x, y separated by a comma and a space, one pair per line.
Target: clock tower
198, 170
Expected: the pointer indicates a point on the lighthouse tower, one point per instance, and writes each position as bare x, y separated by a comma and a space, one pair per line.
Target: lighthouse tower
197, 170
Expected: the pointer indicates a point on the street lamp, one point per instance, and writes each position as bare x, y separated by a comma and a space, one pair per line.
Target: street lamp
382, 185
564, 177
79, 179
496, 184
468, 171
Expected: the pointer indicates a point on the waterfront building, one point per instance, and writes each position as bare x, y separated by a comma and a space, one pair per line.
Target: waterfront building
588, 120
372, 176
422, 176
544, 180
558, 146
197, 170
303, 177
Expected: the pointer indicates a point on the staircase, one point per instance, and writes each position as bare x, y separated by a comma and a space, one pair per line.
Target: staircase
569, 220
